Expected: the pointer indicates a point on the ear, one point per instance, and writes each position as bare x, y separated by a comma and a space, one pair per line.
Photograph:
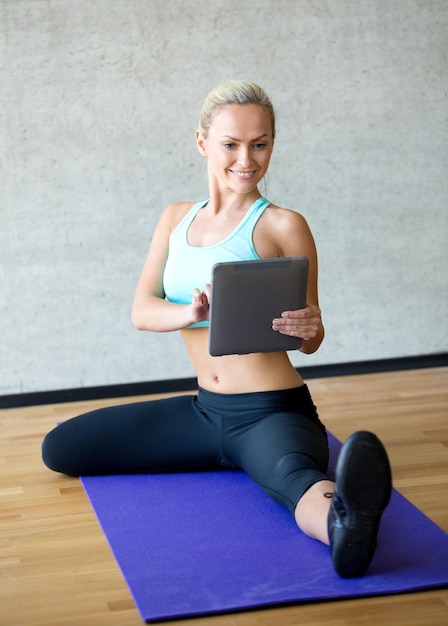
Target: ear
200, 142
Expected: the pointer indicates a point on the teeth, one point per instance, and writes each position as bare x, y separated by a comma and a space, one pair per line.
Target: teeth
243, 174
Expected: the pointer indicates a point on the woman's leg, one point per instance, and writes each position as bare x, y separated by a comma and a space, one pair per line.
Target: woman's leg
287, 455
311, 512
283, 449
344, 515
143, 437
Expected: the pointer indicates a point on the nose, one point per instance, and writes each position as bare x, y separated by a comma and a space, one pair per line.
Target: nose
243, 156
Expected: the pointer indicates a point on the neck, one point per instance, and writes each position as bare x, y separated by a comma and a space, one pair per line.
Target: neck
231, 200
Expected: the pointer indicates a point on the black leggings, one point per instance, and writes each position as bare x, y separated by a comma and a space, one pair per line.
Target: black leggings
276, 437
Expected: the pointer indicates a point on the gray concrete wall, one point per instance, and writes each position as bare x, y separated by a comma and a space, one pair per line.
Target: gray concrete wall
98, 106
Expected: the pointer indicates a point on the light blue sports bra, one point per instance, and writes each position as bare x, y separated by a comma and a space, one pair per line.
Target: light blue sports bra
188, 267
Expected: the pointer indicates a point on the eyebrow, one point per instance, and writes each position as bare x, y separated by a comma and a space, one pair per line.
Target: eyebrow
234, 139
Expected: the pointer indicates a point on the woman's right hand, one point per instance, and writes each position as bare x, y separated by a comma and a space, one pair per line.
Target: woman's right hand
200, 304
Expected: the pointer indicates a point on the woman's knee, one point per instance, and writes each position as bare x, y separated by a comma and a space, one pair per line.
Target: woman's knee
54, 453
74, 446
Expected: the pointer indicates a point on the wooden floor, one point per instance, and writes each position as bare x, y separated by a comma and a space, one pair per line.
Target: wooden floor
56, 568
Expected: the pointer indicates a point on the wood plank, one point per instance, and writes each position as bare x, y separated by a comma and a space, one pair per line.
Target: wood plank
56, 568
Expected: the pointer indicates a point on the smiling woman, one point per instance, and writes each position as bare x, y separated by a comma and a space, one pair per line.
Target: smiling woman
253, 411
238, 145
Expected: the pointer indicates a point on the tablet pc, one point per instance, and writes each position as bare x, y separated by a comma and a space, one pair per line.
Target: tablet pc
246, 296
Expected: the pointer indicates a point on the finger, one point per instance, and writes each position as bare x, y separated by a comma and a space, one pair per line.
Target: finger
207, 291
302, 334
306, 329
295, 322
196, 295
308, 311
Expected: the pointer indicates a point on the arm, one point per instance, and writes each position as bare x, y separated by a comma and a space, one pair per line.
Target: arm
150, 310
295, 239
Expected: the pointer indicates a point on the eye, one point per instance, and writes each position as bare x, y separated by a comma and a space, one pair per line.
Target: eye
259, 146
230, 145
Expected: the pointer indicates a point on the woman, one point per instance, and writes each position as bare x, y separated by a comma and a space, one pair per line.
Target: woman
252, 411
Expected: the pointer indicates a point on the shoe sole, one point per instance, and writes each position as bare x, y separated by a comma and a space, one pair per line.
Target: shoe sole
364, 486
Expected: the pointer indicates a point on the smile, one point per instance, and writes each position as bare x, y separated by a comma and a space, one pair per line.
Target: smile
243, 174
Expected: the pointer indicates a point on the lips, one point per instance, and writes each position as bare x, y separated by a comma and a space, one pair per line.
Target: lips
243, 175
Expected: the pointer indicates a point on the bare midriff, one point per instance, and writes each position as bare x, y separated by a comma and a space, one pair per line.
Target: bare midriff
243, 373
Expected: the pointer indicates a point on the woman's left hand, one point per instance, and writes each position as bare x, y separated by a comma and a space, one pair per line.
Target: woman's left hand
304, 323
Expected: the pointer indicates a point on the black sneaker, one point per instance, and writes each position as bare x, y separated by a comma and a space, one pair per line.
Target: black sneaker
362, 491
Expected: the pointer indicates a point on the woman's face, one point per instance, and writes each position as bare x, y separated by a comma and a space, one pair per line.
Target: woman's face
238, 147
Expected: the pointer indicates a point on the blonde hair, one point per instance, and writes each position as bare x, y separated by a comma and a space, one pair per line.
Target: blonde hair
234, 92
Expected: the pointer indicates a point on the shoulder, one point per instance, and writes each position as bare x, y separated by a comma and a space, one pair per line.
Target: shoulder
174, 213
177, 210
283, 220
284, 232
282, 217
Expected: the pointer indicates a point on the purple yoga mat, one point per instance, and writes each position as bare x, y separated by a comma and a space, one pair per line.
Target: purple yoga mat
203, 543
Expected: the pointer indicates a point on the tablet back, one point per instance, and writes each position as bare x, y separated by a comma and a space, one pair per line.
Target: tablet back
246, 296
